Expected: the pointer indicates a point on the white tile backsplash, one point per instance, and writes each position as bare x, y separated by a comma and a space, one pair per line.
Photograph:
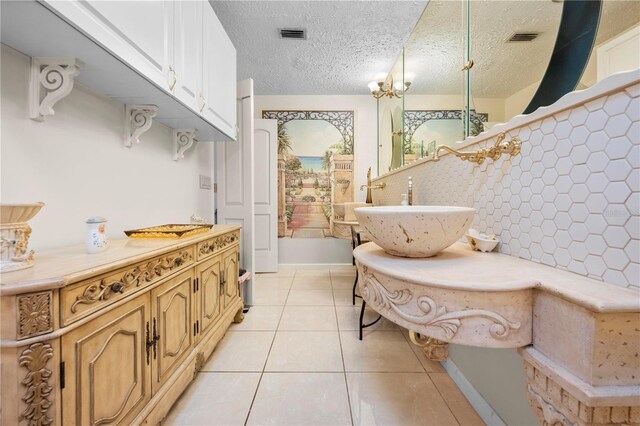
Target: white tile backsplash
571, 200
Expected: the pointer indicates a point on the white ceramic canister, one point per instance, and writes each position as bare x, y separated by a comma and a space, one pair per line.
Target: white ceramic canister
96, 234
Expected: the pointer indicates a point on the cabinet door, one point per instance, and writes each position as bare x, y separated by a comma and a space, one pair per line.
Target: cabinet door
107, 370
231, 290
209, 280
187, 53
138, 32
172, 325
219, 74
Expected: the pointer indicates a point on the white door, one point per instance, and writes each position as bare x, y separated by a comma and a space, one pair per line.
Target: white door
234, 176
219, 81
265, 142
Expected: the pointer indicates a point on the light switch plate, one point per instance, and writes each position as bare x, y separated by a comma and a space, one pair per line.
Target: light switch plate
205, 182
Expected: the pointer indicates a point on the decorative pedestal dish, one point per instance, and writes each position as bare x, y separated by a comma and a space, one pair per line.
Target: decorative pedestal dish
14, 235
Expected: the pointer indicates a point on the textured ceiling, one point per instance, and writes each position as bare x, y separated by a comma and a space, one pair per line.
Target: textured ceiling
348, 42
434, 51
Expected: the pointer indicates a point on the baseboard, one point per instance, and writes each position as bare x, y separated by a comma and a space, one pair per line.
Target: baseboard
482, 407
315, 265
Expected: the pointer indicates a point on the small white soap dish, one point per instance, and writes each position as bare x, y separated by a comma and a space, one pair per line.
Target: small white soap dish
482, 242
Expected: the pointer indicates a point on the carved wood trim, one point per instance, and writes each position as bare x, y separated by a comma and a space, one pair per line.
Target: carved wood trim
165, 333
218, 243
140, 274
375, 293
200, 361
35, 312
36, 381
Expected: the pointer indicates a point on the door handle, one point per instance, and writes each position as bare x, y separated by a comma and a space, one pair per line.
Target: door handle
174, 78
204, 103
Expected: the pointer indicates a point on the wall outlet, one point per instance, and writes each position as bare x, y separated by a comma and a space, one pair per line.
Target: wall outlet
205, 182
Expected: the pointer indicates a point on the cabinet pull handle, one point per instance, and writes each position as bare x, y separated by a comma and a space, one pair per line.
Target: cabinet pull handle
194, 329
148, 343
174, 76
117, 288
156, 338
197, 284
204, 103
198, 326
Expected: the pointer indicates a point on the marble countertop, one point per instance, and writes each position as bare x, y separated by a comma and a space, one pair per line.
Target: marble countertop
461, 268
60, 267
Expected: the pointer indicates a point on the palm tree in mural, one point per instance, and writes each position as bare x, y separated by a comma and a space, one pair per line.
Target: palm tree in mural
337, 148
326, 159
284, 140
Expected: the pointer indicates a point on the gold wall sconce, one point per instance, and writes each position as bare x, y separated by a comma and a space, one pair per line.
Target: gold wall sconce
511, 147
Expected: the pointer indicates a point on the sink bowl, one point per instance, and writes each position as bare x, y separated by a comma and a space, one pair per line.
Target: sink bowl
415, 231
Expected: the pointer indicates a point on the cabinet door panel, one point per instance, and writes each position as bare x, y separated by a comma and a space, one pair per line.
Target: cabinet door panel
108, 378
219, 76
231, 291
209, 284
172, 321
138, 32
187, 52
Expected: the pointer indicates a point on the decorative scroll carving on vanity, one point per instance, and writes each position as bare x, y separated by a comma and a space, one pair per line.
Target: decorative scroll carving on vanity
207, 247
38, 389
425, 315
135, 277
35, 314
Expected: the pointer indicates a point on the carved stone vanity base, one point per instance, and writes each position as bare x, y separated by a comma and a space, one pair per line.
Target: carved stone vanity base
579, 338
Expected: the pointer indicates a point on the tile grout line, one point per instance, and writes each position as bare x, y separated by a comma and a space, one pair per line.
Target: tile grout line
255, 394
344, 367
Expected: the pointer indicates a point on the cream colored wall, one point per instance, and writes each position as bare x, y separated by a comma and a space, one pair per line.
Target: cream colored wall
75, 162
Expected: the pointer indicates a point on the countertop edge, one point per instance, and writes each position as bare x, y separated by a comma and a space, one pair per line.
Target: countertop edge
625, 304
56, 282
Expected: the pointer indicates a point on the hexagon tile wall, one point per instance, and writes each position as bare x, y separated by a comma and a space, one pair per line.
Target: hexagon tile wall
571, 200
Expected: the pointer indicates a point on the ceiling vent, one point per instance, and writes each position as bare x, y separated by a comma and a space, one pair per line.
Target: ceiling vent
293, 33
519, 37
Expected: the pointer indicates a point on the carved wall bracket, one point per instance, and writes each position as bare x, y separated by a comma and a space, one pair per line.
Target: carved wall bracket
51, 80
433, 349
183, 139
137, 120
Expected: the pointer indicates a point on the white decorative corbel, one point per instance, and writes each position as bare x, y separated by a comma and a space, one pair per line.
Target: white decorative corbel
137, 120
182, 140
51, 80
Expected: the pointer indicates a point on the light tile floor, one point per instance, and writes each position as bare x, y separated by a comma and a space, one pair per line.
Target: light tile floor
296, 360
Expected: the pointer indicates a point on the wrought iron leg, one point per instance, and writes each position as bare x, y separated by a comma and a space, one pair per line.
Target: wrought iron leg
362, 324
355, 285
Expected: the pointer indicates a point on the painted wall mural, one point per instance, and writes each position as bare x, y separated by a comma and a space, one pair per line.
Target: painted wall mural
315, 169
425, 129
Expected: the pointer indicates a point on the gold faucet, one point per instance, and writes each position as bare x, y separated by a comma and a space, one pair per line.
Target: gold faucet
511, 147
369, 187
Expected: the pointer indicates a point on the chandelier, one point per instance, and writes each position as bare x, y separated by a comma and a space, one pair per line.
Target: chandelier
380, 88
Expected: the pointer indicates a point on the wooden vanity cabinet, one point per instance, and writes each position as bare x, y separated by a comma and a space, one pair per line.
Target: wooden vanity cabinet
107, 379
127, 357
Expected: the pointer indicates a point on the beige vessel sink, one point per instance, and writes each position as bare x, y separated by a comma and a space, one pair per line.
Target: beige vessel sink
415, 231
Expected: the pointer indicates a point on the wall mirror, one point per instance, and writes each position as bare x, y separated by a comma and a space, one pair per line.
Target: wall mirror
474, 64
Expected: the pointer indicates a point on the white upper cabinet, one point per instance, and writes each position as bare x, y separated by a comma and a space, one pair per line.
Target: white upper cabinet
219, 68
138, 32
180, 46
187, 52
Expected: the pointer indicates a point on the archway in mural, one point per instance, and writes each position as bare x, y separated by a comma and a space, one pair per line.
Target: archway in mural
315, 165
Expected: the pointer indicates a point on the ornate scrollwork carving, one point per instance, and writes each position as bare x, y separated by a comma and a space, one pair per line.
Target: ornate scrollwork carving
200, 361
137, 120
432, 315
183, 139
56, 77
341, 120
218, 243
551, 416
34, 314
140, 274
36, 396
